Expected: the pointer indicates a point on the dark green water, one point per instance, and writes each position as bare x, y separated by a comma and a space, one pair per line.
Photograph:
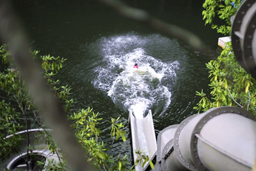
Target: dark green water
78, 30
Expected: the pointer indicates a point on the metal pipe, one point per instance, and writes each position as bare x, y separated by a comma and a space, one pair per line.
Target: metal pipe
219, 139
243, 36
227, 142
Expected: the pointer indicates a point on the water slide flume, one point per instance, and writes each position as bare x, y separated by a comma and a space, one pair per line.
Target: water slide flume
143, 137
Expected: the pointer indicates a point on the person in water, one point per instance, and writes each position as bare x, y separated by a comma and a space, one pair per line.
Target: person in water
135, 66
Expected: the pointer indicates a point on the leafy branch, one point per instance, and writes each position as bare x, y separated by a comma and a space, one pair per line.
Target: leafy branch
116, 129
142, 159
230, 84
221, 9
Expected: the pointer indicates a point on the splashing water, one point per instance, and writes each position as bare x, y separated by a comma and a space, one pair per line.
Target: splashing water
130, 88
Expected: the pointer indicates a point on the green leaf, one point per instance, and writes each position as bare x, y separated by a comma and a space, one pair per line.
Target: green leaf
143, 164
151, 165
119, 165
247, 87
123, 137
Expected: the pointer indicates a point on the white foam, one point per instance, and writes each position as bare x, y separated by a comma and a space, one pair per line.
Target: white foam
132, 88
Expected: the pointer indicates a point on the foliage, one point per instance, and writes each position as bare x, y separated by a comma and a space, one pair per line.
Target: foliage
9, 125
18, 112
53, 165
116, 129
224, 9
120, 164
142, 158
9, 118
85, 122
231, 85
87, 135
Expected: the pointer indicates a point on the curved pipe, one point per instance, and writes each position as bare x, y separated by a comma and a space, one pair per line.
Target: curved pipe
243, 36
45, 153
219, 139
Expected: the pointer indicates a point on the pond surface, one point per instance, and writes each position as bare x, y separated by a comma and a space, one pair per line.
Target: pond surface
101, 48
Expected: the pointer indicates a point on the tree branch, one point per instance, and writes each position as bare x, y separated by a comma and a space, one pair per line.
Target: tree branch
234, 99
13, 118
249, 100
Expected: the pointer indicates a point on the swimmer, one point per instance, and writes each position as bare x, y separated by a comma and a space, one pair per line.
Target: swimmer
135, 66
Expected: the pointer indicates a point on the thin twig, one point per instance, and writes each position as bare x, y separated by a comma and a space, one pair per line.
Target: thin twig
46, 132
12, 118
249, 100
35, 120
4, 98
234, 99
5, 155
2, 119
26, 122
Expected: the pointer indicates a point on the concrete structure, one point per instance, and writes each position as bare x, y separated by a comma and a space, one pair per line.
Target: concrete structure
223, 40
